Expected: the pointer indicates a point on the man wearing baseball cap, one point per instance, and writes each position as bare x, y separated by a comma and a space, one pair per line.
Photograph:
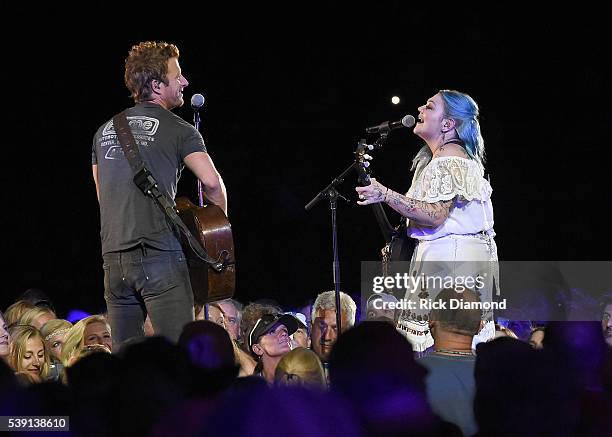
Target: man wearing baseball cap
269, 340
300, 337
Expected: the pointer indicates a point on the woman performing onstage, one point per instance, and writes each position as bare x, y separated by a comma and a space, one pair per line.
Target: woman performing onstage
450, 213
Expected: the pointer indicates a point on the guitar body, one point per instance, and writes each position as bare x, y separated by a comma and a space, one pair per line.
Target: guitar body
400, 247
213, 230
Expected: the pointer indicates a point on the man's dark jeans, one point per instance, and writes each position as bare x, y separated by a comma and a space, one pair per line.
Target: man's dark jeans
145, 281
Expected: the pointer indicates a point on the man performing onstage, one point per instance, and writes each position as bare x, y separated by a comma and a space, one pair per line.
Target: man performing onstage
145, 270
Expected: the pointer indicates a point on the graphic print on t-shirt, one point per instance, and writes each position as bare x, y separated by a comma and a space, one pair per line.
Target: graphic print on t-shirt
143, 128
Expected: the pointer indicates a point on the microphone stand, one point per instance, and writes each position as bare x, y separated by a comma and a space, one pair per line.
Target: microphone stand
331, 193
196, 123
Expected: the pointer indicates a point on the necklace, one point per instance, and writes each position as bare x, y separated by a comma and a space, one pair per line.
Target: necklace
451, 352
457, 141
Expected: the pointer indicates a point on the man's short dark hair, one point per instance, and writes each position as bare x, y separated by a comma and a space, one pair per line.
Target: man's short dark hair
605, 301
458, 320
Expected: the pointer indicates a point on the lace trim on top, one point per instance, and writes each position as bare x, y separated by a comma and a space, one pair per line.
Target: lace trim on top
444, 178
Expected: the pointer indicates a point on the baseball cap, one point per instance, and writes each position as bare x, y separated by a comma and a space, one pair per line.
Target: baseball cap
301, 319
269, 322
383, 297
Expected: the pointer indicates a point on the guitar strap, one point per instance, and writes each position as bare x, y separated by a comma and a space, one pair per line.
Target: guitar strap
148, 185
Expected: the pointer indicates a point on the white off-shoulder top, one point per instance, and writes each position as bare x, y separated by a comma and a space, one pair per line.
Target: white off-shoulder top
451, 177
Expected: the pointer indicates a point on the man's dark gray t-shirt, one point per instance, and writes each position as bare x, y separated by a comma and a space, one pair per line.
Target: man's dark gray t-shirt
128, 218
451, 387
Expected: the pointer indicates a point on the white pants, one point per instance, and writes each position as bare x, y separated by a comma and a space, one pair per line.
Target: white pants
454, 258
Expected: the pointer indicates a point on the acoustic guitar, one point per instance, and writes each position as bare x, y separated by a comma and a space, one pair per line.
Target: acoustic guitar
213, 230
398, 246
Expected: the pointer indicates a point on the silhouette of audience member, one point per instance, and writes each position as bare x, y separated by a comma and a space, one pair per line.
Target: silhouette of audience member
9, 390
521, 391
450, 378
372, 366
606, 320
190, 419
607, 372
91, 380
257, 411
155, 376
38, 298
324, 330
579, 348
45, 399
208, 345
210, 350
301, 368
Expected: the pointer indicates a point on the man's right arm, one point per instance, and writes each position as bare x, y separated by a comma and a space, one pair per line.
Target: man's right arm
94, 169
202, 166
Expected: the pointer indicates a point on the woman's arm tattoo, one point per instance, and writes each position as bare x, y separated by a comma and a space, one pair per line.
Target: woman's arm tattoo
429, 214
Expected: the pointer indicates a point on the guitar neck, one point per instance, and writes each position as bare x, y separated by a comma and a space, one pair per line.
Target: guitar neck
363, 172
383, 222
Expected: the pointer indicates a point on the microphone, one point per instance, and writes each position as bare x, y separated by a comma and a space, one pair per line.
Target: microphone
407, 121
197, 101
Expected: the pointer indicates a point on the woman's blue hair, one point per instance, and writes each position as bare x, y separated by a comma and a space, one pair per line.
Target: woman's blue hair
464, 110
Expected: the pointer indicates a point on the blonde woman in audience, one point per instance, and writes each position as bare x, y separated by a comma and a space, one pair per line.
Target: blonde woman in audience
13, 313
37, 317
91, 330
301, 367
5, 340
54, 333
28, 354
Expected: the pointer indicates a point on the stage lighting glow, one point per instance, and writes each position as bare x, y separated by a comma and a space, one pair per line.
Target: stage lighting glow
76, 314
395, 100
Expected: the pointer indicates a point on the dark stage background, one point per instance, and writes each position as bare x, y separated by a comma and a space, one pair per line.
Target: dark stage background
287, 99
